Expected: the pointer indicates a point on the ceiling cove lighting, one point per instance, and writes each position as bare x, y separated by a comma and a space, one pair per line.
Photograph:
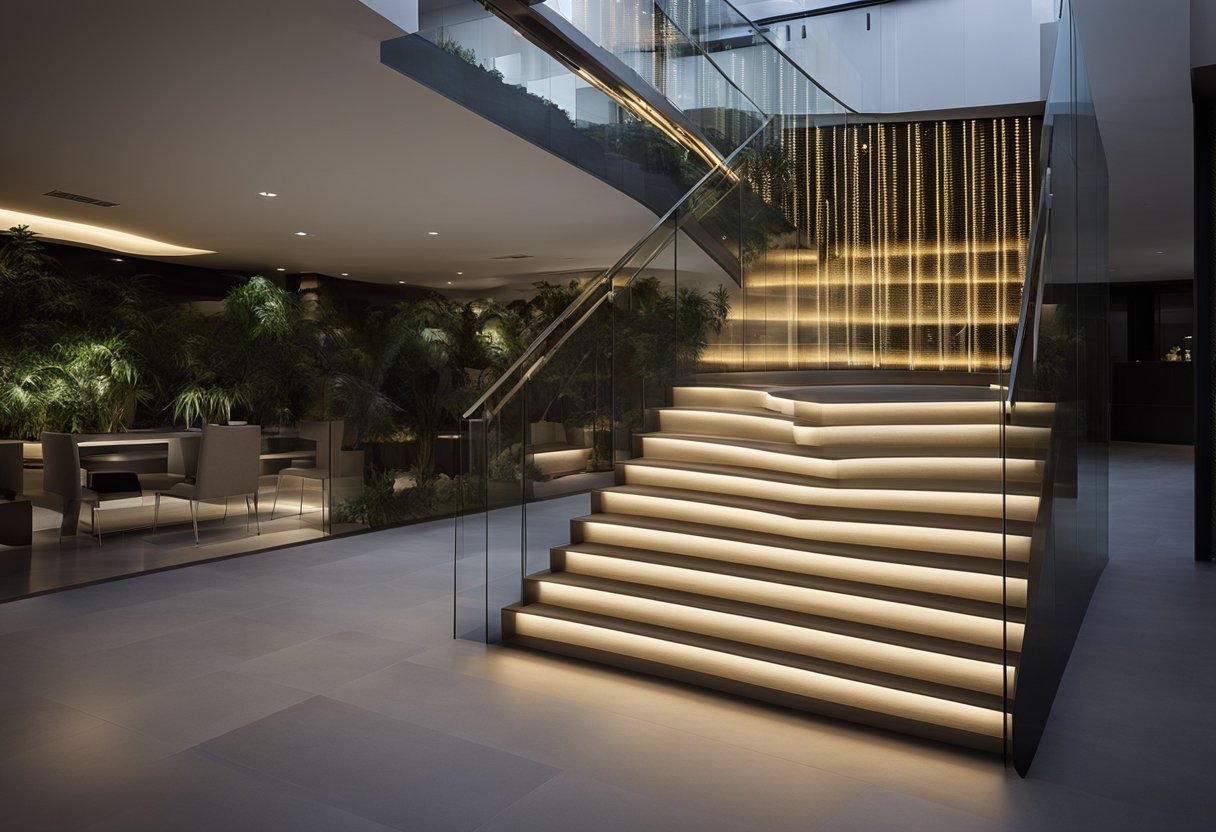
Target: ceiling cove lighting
95, 235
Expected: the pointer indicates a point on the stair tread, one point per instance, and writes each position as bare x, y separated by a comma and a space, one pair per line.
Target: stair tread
940, 630
813, 521
753, 666
1019, 508
881, 554
934, 587
1025, 473
959, 679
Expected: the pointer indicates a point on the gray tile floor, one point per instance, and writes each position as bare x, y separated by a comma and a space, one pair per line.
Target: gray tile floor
319, 688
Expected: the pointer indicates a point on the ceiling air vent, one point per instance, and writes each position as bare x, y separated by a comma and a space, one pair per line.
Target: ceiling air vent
100, 203
511, 257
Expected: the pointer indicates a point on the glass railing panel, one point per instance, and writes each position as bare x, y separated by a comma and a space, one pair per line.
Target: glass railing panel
1059, 398
521, 87
641, 36
645, 361
569, 419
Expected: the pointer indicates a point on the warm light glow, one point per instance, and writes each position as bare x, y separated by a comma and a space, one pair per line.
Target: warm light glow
95, 235
976, 544
971, 674
913, 706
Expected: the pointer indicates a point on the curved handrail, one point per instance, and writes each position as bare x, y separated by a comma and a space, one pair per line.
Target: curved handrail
603, 280
757, 32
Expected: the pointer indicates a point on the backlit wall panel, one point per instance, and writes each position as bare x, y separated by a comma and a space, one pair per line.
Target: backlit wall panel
906, 248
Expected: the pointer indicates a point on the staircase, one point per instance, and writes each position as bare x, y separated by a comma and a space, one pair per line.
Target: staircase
858, 551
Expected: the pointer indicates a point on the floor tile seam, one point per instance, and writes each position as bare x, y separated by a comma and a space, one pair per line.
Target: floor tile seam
758, 708
261, 777
557, 772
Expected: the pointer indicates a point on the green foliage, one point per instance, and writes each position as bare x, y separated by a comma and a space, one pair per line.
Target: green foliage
382, 503
71, 358
667, 332
505, 466
454, 47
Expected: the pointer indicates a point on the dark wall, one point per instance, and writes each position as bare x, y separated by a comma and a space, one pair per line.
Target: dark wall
1204, 87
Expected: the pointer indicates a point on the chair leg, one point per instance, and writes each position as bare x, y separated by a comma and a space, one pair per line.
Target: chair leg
278, 480
96, 524
194, 519
301, 511
257, 520
225, 520
156, 513
248, 511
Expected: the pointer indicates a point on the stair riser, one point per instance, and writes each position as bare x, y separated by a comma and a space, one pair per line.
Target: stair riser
987, 632
991, 589
918, 473
985, 545
858, 702
1018, 509
965, 440
894, 660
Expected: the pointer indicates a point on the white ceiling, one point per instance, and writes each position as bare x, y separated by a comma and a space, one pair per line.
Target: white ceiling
182, 112
1138, 56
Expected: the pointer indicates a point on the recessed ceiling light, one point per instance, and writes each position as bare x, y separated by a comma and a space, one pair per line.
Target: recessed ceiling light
1161, 252
401, 281
449, 283
459, 272
280, 270
432, 233
267, 194
344, 274
301, 233
116, 259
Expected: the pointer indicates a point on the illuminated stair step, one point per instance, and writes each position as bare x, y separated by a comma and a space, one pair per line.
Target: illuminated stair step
751, 482
860, 701
636, 542
858, 440
627, 530
827, 413
617, 562
1024, 476
561, 461
844, 650
977, 544
964, 628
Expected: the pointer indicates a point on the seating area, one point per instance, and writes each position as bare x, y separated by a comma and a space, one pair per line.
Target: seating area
75, 508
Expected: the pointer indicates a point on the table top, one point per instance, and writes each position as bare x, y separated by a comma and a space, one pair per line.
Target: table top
135, 437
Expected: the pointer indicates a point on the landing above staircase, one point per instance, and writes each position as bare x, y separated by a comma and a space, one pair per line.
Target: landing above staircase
855, 551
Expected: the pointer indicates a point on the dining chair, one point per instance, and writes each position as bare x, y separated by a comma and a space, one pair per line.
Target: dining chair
327, 435
228, 466
61, 476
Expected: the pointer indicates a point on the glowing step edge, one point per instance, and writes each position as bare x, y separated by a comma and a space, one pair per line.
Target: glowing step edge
893, 659
912, 706
890, 615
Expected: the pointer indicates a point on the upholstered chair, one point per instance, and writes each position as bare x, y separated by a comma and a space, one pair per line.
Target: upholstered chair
228, 466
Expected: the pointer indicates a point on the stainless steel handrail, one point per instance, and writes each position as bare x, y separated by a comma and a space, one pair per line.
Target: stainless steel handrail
600, 282
1032, 286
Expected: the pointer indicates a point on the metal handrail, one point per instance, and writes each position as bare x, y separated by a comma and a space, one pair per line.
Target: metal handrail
759, 33
597, 284
1032, 286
